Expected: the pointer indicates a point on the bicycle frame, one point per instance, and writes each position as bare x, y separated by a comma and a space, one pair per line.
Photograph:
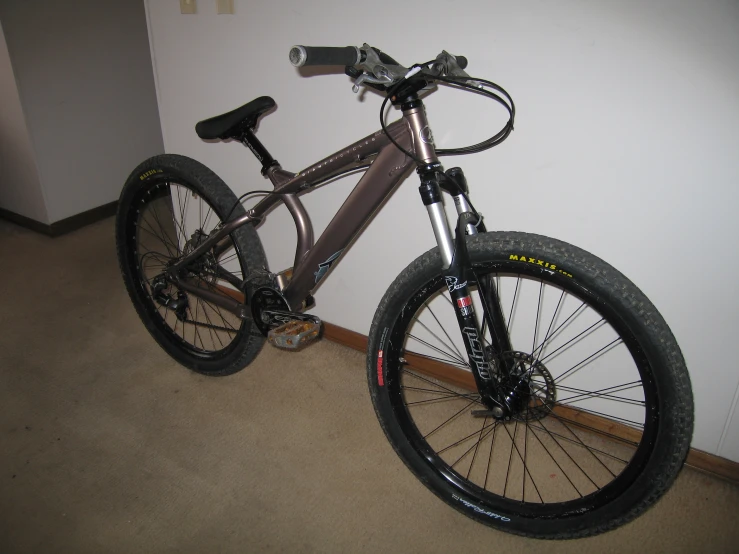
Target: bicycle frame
386, 166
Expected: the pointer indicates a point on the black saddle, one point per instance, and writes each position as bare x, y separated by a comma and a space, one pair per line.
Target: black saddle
233, 123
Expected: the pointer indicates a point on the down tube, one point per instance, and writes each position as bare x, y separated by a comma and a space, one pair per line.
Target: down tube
376, 184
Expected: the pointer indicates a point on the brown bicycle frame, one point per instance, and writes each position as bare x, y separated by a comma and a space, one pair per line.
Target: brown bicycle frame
385, 166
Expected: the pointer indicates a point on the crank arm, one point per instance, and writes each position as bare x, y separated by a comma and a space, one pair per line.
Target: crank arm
278, 317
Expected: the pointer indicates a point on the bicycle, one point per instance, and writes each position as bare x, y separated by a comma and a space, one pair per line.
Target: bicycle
526, 382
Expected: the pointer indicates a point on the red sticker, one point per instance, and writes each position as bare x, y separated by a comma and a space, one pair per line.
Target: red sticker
463, 302
380, 380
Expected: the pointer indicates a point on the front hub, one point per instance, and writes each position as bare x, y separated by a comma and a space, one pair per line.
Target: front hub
529, 390
525, 389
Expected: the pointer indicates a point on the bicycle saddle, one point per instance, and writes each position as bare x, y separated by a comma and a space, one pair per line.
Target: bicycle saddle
231, 124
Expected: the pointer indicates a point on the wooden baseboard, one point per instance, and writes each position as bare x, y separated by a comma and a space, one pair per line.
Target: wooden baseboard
715, 465
697, 459
344, 336
63, 226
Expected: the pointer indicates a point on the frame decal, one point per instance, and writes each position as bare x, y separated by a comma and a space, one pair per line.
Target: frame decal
323, 267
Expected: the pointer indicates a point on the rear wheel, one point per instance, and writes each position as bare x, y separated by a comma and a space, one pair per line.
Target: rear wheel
169, 205
602, 416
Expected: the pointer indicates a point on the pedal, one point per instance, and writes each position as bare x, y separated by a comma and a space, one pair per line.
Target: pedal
294, 334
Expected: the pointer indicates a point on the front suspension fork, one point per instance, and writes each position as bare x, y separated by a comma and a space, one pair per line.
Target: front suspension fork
485, 362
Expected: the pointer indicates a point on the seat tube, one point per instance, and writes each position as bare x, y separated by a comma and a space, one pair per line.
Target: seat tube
429, 169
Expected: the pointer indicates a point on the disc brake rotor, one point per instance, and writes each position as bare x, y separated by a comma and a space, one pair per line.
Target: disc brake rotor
205, 266
531, 389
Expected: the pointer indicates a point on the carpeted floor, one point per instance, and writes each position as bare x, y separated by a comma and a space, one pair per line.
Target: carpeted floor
109, 446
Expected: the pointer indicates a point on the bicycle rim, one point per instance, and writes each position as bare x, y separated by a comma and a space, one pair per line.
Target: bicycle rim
587, 414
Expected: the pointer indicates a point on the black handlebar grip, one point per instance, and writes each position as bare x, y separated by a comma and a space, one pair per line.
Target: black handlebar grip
461, 61
324, 55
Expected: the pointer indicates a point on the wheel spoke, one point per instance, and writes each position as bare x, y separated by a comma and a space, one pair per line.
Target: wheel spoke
179, 224
209, 327
439, 350
443, 329
477, 446
490, 456
445, 422
464, 439
584, 395
442, 360
629, 422
590, 428
574, 340
217, 309
510, 454
594, 356
450, 391
440, 396
162, 238
539, 350
562, 471
591, 451
537, 318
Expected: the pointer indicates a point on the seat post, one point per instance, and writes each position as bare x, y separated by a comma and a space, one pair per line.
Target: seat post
249, 139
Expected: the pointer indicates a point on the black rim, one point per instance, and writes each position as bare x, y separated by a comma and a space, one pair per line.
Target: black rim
169, 218
589, 421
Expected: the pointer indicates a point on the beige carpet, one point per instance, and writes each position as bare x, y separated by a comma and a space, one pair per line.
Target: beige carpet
107, 445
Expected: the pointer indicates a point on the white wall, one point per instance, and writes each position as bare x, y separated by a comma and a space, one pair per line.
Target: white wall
625, 140
20, 188
84, 75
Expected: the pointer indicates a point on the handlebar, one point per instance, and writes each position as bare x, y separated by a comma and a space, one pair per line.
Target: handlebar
301, 56
368, 66
382, 71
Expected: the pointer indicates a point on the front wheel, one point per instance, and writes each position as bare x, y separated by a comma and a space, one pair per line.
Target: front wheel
604, 409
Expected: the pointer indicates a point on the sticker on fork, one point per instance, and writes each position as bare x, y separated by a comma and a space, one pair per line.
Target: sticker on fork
453, 284
465, 305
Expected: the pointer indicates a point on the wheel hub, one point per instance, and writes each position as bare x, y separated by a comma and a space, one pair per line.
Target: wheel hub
164, 297
529, 391
205, 266
526, 389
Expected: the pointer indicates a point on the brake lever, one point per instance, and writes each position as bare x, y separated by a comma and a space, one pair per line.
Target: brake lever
365, 78
378, 73
446, 64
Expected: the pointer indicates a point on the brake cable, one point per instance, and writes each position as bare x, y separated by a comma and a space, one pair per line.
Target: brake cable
461, 82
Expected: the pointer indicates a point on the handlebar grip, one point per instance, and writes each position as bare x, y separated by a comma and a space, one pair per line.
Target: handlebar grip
324, 55
461, 61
